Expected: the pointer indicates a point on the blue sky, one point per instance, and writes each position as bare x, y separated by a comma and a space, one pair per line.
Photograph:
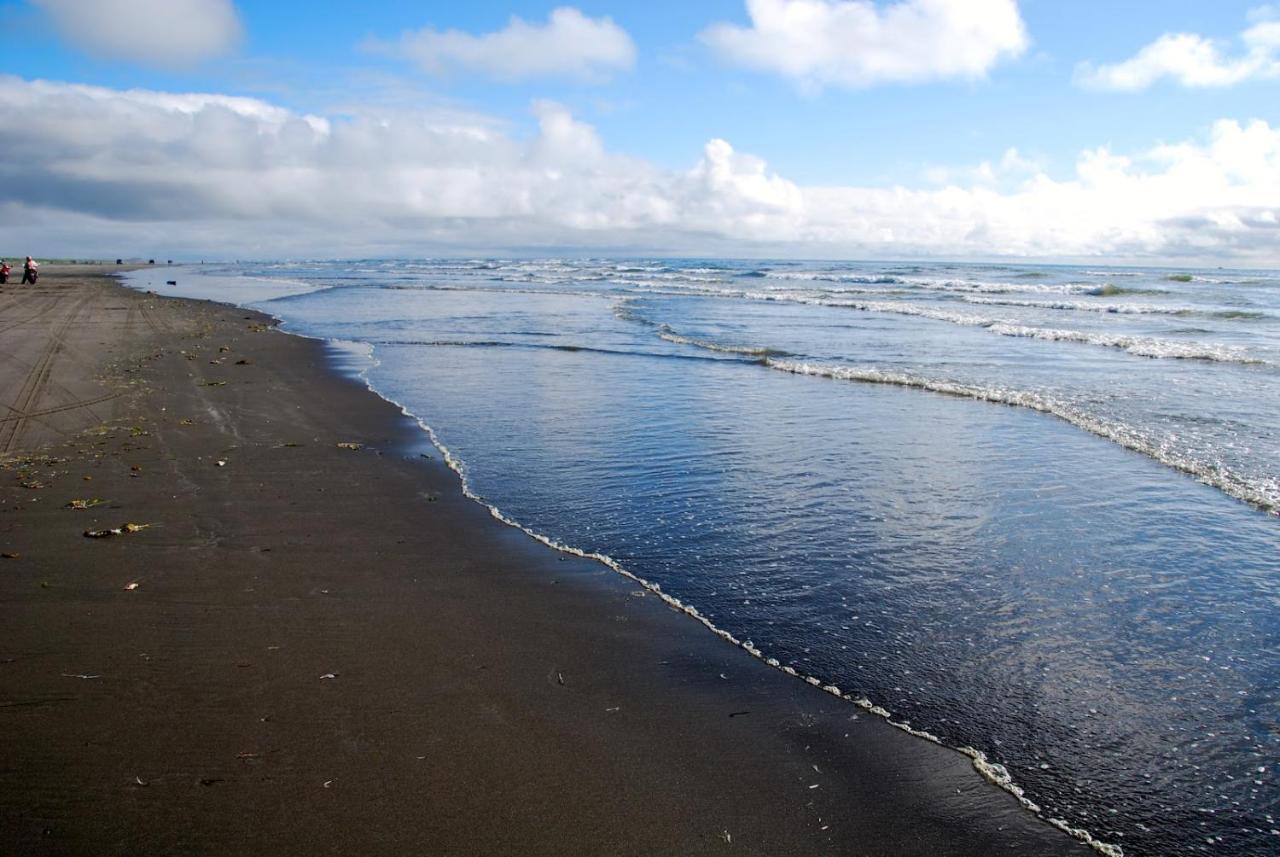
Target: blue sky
678, 88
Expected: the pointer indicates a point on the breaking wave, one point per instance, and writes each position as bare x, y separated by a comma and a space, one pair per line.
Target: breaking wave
1140, 346
1137, 345
1264, 495
665, 332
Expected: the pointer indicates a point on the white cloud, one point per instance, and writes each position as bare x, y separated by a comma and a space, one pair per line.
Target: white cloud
170, 33
1010, 169
854, 43
569, 45
127, 172
1193, 61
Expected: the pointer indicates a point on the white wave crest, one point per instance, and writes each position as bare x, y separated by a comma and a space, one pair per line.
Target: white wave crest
1081, 306
670, 335
1264, 495
1138, 345
998, 775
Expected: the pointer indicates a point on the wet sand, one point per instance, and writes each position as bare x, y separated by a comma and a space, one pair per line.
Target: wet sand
318, 649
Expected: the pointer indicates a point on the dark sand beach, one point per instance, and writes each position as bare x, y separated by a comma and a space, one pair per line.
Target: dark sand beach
329, 649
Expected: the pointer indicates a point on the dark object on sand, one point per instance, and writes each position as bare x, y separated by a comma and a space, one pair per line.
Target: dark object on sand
119, 261
151, 261
123, 529
171, 282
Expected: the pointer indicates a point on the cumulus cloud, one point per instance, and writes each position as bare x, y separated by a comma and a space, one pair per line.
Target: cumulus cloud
170, 33
1192, 61
569, 44
123, 172
854, 43
1010, 169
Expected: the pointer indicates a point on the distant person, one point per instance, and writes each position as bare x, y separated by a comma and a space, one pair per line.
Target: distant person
4, 271
30, 271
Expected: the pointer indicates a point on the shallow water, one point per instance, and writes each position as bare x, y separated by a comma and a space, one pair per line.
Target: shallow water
1027, 509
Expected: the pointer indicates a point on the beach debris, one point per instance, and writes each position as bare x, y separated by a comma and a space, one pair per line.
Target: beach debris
208, 781
171, 282
129, 587
140, 781
288, 445
81, 676
121, 530
10, 555
85, 504
186, 422
213, 383
727, 837
347, 444
738, 713
247, 755
223, 349
815, 785
328, 783
329, 675
244, 362
221, 462
560, 679
34, 485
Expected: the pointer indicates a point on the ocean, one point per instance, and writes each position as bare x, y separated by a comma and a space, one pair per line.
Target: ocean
1027, 511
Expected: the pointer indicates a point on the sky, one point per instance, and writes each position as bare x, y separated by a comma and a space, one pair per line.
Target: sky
961, 129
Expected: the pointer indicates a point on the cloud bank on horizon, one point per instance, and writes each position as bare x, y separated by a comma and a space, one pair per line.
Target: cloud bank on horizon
105, 169
221, 171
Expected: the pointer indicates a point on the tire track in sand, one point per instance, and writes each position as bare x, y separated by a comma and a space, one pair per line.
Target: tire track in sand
36, 380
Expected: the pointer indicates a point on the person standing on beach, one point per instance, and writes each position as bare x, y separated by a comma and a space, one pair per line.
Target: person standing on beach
4, 271
30, 272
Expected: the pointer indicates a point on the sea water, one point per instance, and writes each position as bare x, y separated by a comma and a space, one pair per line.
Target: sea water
1029, 510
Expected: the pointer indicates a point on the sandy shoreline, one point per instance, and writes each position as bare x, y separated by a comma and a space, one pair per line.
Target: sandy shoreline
487, 695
